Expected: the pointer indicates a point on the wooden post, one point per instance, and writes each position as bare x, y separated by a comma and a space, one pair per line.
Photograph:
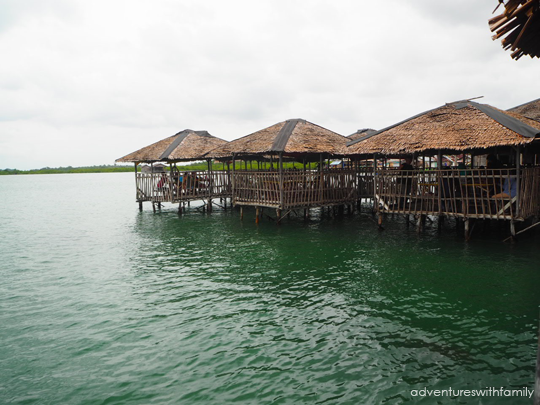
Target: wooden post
518, 175
281, 194
537, 380
467, 229
421, 223
375, 202
232, 177
209, 205
321, 179
257, 215
278, 215
241, 213
512, 228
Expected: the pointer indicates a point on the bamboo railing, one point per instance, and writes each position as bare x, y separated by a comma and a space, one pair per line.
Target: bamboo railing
468, 193
295, 188
185, 186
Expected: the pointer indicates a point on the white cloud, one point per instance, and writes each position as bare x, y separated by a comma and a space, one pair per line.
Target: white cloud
88, 82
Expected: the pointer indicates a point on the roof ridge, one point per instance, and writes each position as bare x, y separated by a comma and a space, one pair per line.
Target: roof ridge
174, 144
513, 124
284, 135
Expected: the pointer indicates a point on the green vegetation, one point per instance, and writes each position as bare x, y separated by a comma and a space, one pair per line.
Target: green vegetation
70, 169
198, 166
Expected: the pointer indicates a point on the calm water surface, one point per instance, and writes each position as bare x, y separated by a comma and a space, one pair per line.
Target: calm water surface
102, 304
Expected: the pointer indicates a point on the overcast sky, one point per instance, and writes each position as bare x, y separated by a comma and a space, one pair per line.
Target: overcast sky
86, 82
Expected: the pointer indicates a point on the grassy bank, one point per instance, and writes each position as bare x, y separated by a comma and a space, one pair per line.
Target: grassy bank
118, 169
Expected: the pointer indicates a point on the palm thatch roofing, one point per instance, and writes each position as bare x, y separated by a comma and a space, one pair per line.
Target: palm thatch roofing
530, 110
294, 138
520, 22
361, 133
184, 146
453, 127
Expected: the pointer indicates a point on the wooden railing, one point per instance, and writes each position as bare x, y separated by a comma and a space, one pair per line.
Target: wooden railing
295, 188
183, 186
472, 193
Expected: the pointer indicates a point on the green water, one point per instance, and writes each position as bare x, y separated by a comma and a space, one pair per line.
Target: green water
102, 304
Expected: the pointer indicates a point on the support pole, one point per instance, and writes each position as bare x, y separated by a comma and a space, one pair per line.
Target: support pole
467, 229
537, 380
512, 229
140, 206
257, 215
518, 175
241, 213
421, 223
281, 182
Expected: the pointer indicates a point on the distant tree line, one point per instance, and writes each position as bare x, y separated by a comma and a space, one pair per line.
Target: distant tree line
70, 169
198, 166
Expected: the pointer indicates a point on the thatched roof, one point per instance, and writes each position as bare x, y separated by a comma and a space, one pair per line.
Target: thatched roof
184, 146
530, 110
456, 127
520, 22
361, 133
292, 138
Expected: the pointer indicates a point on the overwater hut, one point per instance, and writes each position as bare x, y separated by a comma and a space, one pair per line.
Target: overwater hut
282, 188
529, 110
498, 175
519, 24
361, 133
177, 186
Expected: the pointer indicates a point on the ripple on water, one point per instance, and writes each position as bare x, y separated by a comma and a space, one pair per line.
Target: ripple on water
154, 308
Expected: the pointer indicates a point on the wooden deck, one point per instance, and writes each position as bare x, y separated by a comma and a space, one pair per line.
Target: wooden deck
180, 187
466, 193
460, 193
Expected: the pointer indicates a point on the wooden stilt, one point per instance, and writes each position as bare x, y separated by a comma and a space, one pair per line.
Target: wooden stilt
140, 206
257, 215
179, 208
209, 205
278, 215
537, 379
380, 220
440, 222
421, 223
467, 229
512, 229
241, 213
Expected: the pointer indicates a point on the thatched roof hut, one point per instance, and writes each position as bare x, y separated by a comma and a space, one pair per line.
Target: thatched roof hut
529, 110
520, 22
293, 138
361, 133
184, 146
455, 127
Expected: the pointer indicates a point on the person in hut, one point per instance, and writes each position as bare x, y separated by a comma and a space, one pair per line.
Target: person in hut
404, 180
